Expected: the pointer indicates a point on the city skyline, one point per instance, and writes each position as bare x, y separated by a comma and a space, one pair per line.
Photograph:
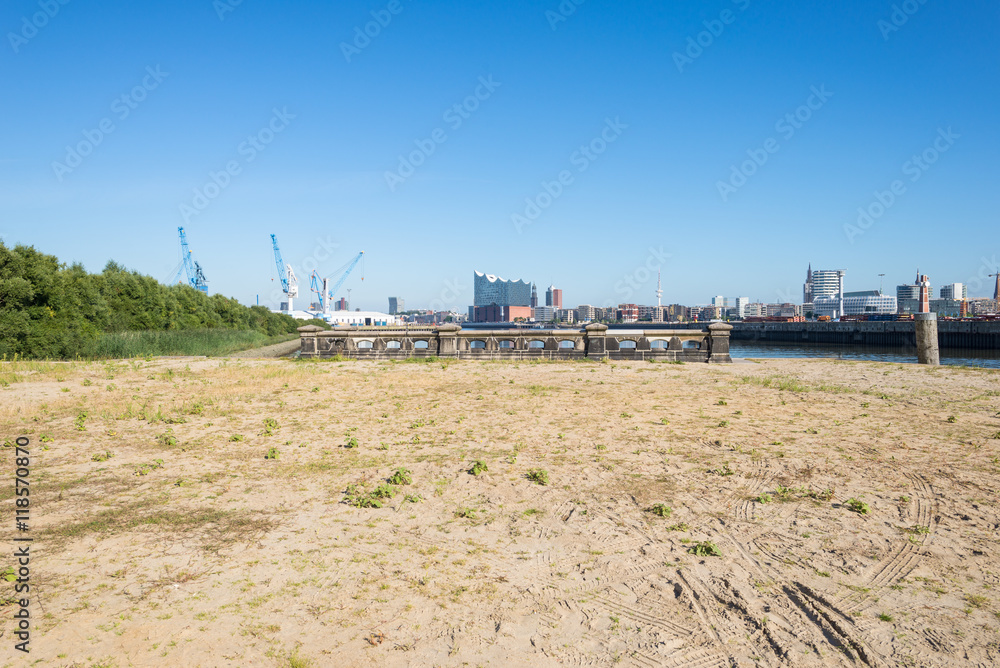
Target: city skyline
764, 134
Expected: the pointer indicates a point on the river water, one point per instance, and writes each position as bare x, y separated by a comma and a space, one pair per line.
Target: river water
981, 358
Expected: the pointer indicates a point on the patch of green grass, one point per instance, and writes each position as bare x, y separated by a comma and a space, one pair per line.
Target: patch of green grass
763, 498
102, 456
272, 453
885, 617
210, 342
705, 549
538, 476
236, 438
479, 467
352, 442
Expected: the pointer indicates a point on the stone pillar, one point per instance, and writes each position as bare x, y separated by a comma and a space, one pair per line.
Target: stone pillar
595, 340
448, 340
307, 340
718, 342
927, 338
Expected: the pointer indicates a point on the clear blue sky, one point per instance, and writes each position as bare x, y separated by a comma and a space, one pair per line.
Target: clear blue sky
886, 95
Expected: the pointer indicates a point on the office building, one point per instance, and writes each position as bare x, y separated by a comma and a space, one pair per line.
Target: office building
954, 291
489, 289
497, 313
396, 305
553, 297
741, 307
826, 282
867, 302
544, 313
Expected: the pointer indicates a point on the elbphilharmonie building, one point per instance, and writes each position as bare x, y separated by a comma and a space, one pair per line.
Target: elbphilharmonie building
490, 289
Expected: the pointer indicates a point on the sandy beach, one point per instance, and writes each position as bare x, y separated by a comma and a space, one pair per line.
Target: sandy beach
243, 512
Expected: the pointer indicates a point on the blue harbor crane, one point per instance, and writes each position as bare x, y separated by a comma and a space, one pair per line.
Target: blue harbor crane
320, 286
195, 276
289, 283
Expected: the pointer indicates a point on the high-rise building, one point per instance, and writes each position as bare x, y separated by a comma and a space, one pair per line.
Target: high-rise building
954, 291
534, 295
826, 282
489, 289
996, 290
741, 307
340, 304
553, 297
396, 305
585, 313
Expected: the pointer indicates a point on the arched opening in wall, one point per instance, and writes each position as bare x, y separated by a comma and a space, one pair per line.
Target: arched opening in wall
626, 345
365, 345
508, 345
393, 345
420, 345
536, 344
661, 345
692, 345
477, 345
567, 345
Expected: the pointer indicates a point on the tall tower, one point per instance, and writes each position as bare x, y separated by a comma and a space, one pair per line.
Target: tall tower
925, 286
807, 288
996, 290
534, 295
659, 291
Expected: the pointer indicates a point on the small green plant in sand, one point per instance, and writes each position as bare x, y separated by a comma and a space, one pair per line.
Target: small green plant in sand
400, 477
885, 617
167, 439
660, 510
857, 506
272, 453
538, 476
236, 438
145, 469
270, 426
103, 456
763, 498
479, 467
466, 513
352, 442
705, 549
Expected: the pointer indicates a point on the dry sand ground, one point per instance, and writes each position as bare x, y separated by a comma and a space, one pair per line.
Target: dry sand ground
189, 548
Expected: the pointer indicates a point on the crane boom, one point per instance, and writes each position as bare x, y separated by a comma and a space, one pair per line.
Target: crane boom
195, 275
289, 283
319, 285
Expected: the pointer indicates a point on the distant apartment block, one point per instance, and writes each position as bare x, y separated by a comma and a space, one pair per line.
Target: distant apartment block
566, 315
396, 305
585, 313
627, 313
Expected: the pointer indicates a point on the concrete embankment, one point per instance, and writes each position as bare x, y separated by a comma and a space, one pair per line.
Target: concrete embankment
970, 335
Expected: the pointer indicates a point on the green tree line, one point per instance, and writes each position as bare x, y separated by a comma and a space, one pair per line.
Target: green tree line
50, 310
